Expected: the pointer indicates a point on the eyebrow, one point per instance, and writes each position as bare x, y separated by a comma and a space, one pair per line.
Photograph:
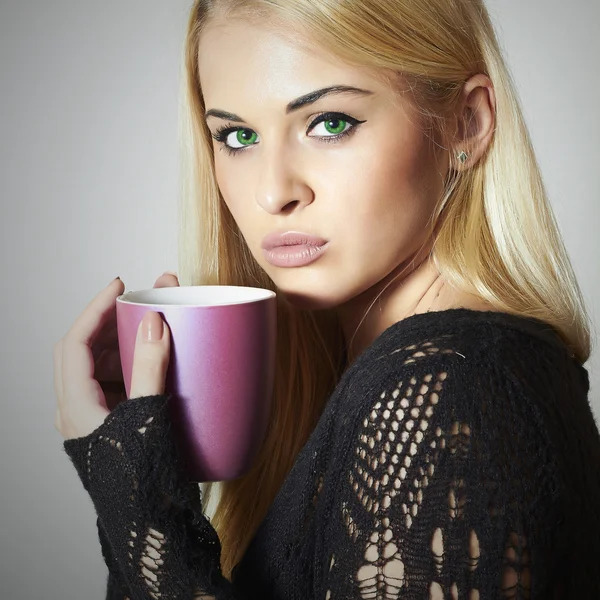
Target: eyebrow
295, 104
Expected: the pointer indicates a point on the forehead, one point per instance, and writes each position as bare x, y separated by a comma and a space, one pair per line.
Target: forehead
239, 60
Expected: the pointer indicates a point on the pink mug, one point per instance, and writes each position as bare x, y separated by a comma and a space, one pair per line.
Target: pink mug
220, 374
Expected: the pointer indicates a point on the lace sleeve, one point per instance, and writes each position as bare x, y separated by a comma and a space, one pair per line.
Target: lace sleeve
116, 586
155, 539
444, 489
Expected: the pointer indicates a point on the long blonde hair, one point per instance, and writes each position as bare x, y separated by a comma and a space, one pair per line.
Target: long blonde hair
498, 238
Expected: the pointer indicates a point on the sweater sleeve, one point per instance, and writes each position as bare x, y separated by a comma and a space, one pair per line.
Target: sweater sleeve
443, 486
155, 539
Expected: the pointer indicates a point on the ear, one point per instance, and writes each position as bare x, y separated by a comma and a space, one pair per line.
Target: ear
475, 121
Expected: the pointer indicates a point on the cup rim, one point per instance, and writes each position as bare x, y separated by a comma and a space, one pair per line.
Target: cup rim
261, 294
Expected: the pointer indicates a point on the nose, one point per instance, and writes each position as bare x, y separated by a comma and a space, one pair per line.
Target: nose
281, 186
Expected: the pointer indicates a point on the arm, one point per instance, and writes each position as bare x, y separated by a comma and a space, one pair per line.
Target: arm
116, 587
445, 489
155, 539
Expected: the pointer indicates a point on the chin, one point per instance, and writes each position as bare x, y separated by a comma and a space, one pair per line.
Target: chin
319, 292
306, 301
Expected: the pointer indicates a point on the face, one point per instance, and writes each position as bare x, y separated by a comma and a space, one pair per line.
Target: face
352, 167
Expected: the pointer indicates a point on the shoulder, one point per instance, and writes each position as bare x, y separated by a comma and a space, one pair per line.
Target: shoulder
446, 403
467, 341
459, 365
432, 426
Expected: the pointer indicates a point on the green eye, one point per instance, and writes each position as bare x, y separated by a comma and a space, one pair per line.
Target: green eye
335, 126
246, 137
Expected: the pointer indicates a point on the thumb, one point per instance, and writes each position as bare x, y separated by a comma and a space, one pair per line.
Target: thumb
151, 357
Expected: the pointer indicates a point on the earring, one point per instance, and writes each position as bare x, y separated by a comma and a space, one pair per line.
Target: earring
463, 157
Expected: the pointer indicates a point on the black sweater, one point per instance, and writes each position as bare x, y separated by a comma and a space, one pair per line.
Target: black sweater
457, 453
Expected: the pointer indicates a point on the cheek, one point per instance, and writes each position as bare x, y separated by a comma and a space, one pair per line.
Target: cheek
231, 188
222, 179
393, 199
404, 182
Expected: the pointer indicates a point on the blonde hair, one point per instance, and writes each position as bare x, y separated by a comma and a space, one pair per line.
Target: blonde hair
497, 239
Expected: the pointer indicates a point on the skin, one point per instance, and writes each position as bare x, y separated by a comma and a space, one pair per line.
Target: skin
370, 194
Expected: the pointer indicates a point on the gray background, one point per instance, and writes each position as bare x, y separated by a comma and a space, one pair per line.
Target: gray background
88, 181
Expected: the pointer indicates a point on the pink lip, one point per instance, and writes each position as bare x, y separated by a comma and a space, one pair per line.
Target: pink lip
293, 249
294, 256
291, 238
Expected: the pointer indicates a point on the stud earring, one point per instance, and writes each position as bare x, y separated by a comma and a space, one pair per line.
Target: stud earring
463, 157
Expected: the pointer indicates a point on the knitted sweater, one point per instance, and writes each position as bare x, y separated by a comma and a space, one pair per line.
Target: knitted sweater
457, 458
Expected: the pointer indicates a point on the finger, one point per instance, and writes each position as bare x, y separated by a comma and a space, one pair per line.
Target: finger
167, 279
100, 311
150, 359
77, 358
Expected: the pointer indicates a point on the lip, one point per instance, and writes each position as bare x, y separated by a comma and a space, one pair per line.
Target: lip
298, 255
291, 238
293, 248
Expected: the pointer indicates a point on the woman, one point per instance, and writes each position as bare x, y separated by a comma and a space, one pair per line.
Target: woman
431, 435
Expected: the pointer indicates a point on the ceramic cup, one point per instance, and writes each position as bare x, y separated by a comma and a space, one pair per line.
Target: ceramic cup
220, 374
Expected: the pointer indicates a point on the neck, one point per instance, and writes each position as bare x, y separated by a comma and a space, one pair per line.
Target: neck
409, 289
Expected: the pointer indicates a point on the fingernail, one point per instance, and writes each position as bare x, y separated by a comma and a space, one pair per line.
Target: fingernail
152, 329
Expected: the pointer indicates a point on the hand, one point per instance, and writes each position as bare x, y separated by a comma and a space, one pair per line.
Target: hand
88, 380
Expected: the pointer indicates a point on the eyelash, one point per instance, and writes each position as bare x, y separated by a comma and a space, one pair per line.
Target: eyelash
221, 134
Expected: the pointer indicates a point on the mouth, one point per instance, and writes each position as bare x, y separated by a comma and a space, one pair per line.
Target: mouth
278, 239
294, 255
